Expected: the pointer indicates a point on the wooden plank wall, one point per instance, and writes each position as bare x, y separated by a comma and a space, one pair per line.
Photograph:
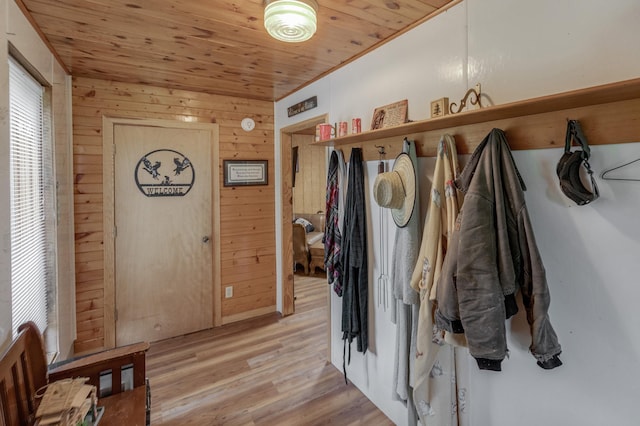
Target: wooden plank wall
311, 179
247, 215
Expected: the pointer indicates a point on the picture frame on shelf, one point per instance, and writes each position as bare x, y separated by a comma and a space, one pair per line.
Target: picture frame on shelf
390, 115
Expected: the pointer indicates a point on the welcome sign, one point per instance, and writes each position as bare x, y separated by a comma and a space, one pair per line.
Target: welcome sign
164, 173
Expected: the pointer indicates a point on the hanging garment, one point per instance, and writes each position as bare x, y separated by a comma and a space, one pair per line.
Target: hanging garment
493, 254
335, 200
405, 304
354, 259
437, 380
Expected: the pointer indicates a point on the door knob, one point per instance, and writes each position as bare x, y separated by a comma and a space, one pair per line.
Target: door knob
205, 239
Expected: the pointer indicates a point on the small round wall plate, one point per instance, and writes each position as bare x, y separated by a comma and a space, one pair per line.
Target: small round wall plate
248, 124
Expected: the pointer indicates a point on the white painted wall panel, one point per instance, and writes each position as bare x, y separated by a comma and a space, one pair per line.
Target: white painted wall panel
589, 253
519, 49
398, 70
431, 57
524, 49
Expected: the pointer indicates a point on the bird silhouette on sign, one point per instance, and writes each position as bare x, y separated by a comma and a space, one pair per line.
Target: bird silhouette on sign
152, 169
181, 165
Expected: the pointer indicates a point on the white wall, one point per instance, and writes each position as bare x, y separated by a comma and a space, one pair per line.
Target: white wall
519, 49
15, 29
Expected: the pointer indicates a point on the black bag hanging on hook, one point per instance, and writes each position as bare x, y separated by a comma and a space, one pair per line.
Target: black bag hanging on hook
568, 168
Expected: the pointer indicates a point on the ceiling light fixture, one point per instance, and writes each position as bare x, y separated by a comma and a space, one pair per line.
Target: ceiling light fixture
291, 20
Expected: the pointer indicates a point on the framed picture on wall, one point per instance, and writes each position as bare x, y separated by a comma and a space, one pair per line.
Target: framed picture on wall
245, 172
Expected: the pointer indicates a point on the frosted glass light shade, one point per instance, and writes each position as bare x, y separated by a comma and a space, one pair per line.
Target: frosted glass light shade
291, 20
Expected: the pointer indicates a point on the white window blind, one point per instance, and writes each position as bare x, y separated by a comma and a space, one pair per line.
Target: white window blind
31, 176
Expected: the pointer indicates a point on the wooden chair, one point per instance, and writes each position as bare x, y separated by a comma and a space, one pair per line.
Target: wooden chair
300, 247
23, 371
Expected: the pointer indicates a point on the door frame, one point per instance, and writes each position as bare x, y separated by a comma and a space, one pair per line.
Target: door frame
108, 199
288, 306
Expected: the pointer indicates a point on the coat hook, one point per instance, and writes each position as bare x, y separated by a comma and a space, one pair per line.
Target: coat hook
381, 163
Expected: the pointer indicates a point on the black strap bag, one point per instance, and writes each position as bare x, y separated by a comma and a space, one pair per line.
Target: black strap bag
568, 168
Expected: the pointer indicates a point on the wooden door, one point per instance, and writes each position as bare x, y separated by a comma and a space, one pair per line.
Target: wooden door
163, 244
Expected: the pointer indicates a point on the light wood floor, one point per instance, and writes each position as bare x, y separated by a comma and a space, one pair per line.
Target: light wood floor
264, 371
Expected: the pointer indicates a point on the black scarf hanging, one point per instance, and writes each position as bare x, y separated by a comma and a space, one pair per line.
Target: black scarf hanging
354, 260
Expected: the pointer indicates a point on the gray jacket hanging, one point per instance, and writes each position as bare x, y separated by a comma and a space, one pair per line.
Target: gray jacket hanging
493, 254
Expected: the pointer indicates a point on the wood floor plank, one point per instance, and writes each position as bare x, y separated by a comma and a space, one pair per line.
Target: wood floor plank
263, 371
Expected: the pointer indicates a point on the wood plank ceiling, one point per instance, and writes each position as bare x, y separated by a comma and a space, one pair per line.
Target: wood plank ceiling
214, 46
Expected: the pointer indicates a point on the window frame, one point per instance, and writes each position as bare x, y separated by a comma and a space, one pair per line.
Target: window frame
48, 197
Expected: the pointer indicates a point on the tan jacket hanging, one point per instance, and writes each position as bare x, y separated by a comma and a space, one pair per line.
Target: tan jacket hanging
435, 393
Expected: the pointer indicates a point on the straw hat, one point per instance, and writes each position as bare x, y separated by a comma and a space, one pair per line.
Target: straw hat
396, 190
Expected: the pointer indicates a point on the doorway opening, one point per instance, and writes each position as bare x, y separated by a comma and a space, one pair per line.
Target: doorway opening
288, 136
